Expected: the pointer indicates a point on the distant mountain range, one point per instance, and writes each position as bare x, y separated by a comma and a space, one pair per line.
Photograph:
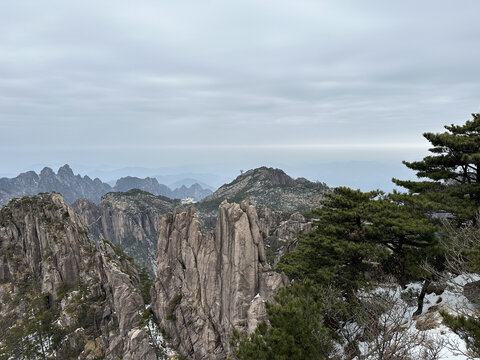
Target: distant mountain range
152, 186
74, 187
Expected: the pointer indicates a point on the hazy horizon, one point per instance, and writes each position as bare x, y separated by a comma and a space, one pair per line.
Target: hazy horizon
334, 91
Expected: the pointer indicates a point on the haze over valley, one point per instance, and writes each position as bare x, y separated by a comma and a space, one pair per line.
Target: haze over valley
239, 180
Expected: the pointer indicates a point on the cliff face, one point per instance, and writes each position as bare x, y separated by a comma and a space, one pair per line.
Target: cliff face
62, 295
280, 231
130, 220
207, 285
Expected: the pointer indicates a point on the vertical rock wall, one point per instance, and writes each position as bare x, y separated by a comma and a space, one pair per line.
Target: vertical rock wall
44, 247
207, 285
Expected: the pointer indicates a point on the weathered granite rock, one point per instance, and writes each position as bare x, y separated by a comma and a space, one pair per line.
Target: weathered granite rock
280, 231
268, 187
209, 284
471, 291
130, 220
93, 289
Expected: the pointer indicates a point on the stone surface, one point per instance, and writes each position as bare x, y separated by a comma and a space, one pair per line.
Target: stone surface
268, 187
280, 231
471, 291
209, 284
130, 220
44, 246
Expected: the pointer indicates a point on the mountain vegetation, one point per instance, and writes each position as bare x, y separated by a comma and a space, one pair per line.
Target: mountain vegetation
64, 296
359, 240
268, 187
301, 272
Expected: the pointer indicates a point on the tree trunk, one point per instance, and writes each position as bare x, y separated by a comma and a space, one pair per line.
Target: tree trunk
421, 297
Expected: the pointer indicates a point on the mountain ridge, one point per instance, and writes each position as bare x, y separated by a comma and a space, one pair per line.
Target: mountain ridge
269, 187
74, 187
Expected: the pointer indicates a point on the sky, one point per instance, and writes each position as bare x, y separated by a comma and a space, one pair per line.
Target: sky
336, 91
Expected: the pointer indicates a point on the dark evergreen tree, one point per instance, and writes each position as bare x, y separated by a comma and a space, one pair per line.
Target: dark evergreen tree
452, 172
297, 330
398, 223
355, 233
338, 251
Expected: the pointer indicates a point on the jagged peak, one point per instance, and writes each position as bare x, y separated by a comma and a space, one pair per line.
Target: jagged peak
46, 171
274, 175
65, 170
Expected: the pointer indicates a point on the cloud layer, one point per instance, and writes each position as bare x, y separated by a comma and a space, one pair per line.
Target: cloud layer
157, 83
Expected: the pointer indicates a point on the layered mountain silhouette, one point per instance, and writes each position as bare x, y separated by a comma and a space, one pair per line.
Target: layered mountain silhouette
74, 187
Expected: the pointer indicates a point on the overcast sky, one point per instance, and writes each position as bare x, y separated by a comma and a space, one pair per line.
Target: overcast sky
232, 84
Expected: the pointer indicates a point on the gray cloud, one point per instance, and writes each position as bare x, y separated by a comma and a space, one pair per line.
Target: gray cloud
146, 82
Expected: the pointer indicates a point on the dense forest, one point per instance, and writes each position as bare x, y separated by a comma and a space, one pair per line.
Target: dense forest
362, 241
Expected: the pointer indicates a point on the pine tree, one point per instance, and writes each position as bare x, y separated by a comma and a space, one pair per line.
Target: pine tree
355, 233
297, 330
398, 223
338, 251
452, 172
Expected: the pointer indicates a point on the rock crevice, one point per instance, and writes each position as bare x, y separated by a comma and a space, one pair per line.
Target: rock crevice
209, 284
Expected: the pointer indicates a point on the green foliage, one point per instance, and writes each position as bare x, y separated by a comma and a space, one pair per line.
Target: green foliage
338, 250
471, 258
172, 306
468, 328
399, 223
452, 171
146, 283
63, 289
297, 328
35, 335
355, 233
357, 238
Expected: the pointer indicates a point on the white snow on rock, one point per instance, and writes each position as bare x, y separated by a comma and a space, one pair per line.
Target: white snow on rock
427, 326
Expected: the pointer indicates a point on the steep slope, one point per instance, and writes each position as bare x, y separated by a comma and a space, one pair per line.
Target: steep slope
269, 187
130, 220
71, 186
279, 230
64, 296
207, 285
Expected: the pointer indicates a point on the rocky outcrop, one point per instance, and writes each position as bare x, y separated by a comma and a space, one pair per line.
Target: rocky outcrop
471, 291
130, 220
85, 298
280, 231
71, 186
268, 187
209, 284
